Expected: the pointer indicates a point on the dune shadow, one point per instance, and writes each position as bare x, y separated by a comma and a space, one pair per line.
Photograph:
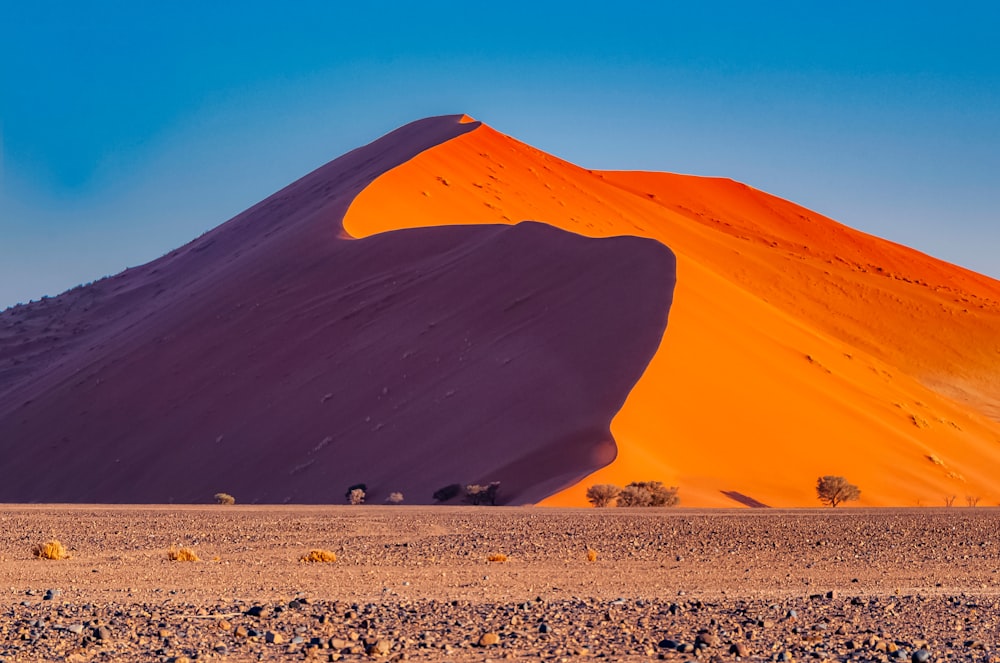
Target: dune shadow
745, 500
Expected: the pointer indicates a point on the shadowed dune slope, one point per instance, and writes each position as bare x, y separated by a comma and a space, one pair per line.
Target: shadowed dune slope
797, 346
277, 359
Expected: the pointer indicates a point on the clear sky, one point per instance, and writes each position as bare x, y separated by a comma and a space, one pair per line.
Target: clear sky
128, 128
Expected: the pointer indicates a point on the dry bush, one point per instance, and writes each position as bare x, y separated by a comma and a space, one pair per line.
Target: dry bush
833, 490
633, 495
356, 496
185, 554
395, 498
224, 498
591, 555
496, 557
319, 555
659, 495
602, 494
476, 494
50, 550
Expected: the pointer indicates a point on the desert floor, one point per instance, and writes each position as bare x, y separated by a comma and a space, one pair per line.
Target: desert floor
415, 583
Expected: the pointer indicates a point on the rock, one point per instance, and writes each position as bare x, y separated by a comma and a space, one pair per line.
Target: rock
273, 638
241, 631
544, 628
381, 647
254, 611
667, 643
298, 640
921, 656
706, 639
75, 628
224, 625
102, 633
488, 639
739, 649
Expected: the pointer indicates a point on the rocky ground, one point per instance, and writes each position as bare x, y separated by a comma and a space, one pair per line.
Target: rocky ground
415, 583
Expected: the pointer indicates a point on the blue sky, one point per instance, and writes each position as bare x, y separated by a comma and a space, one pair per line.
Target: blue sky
129, 128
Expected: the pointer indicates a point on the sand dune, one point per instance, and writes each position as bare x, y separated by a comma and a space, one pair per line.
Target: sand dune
391, 319
796, 346
276, 359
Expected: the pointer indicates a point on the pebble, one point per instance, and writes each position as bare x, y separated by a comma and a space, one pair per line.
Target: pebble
488, 639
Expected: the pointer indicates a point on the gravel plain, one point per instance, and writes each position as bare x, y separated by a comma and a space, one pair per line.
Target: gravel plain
415, 583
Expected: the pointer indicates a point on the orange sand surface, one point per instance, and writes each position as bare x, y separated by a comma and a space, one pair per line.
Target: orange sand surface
796, 346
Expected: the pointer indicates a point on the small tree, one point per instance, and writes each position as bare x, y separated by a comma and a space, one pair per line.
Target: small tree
602, 494
972, 500
476, 494
949, 500
356, 496
363, 487
395, 498
834, 490
634, 495
224, 498
659, 495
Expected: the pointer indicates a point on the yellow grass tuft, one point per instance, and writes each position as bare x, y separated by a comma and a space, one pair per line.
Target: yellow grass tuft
591, 555
496, 557
176, 554
318, 555
50, 550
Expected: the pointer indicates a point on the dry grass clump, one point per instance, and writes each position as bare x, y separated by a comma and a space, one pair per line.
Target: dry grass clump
318, 555
185, 554
591, 555
224, 498
496, 557
50, 550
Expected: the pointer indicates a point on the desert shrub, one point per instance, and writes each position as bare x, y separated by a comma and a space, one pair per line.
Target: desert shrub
395, 498
602, 494
496, 557
50, 550
224, 498
833, 490
363, 487
659, 495
633, 495
176, 554
319, 555
476, 494
448, 492
356, 496
591, 555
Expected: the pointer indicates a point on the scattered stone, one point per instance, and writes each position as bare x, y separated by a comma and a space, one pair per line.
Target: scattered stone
273, 638
488, 639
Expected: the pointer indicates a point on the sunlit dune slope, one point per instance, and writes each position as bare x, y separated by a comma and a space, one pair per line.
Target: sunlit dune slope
278, 360
796, 346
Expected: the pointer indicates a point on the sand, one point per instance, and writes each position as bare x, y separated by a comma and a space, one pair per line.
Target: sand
797, 347
824, 584
281, 361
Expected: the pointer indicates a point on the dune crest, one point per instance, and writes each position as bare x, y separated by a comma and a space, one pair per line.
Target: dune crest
279, 360
797, 347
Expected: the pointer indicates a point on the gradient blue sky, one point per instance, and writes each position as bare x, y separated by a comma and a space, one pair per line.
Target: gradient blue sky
129, 128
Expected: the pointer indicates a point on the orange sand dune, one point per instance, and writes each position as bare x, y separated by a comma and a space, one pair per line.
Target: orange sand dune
796, 346
279, 360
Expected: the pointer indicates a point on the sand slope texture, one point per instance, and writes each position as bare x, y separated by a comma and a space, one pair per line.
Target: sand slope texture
449, 305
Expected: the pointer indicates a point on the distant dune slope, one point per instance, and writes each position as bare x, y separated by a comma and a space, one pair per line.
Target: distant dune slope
277, 359
796, 347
